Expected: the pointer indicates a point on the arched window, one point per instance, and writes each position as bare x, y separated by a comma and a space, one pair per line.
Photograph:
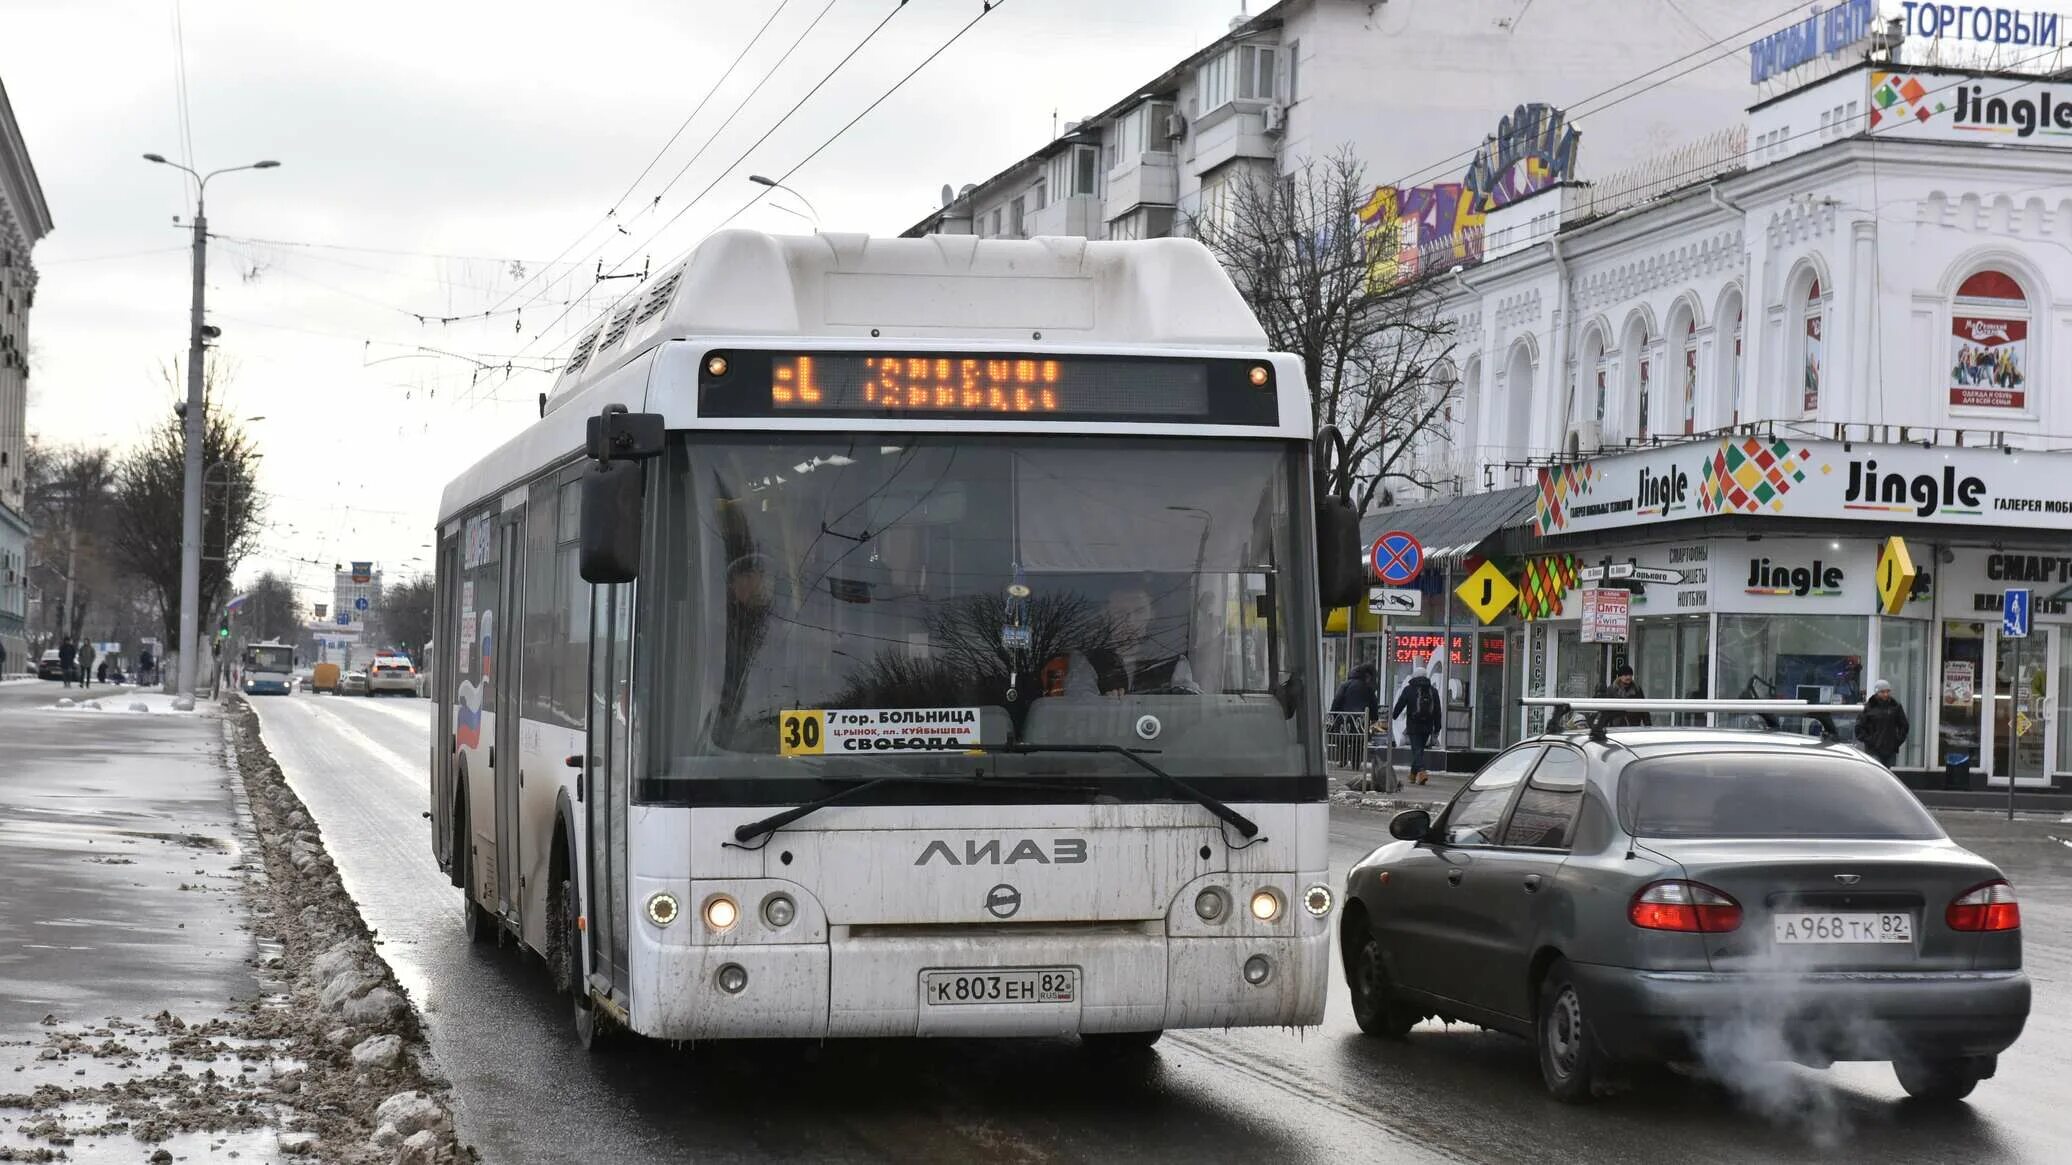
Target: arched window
1735, 362
1597, 368
1518, 400
1813, 359
1639, 372
1690, 375
1989, 344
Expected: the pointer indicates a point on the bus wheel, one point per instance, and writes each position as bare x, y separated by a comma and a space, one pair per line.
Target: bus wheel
480, 928
1119, 1043
595, 1031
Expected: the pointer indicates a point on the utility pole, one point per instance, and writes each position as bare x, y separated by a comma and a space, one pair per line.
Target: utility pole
71, 570
197, 429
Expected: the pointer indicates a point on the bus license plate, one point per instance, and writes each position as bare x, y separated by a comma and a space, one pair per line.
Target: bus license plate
1032, 985
1889, 927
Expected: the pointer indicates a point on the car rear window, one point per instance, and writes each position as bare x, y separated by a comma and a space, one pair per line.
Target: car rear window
1768, 794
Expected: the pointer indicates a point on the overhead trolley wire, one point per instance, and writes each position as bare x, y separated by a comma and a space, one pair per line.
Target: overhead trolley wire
743, 156
613, 211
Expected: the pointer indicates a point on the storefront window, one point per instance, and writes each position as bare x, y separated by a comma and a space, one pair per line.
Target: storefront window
1810, 657
1577, 664
1669, 661
1903, 661
1963, 671
1491, 654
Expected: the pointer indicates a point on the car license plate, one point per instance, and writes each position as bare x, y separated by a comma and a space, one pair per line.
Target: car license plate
1830, 927
1020, 985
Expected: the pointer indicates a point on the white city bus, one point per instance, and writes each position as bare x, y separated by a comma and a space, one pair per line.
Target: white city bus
267, 668
950, 664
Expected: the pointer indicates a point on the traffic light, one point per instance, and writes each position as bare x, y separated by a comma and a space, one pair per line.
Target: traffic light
223, 628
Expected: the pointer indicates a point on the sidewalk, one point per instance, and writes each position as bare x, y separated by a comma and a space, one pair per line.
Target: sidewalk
182, 977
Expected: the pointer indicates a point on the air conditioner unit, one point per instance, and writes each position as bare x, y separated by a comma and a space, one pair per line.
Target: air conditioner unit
1585, 437
1176, 126
1276, 118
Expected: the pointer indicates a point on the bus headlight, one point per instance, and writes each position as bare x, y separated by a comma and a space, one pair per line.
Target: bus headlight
721, 913
661, 908
1211, 904
1317, 900
779, 911
1266, 905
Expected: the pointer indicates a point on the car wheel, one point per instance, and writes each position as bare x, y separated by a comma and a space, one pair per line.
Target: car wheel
1375, 1007
1119, 1043
1944, 1081
1569, 1057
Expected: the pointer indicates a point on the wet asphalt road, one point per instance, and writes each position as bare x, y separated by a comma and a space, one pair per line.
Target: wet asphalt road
527, 1093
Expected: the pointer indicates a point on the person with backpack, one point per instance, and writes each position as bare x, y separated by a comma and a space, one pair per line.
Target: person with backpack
1418, 704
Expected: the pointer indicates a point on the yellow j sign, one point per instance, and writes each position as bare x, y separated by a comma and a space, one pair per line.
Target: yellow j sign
1896, 576
1487, 592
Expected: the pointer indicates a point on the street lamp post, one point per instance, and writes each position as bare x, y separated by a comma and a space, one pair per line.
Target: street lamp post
190, 525
773, 184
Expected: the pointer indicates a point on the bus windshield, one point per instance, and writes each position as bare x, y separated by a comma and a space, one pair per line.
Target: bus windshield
269, 658
838, 605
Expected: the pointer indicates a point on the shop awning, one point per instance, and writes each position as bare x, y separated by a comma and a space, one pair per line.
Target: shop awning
1457, 527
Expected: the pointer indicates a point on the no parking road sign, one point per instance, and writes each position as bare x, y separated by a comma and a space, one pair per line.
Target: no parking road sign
1396, 558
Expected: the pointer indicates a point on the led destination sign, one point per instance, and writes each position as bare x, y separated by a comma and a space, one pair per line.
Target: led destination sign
991, 386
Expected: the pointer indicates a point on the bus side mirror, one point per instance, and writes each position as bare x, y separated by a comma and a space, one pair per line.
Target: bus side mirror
610, 551
616, 434
1341, 573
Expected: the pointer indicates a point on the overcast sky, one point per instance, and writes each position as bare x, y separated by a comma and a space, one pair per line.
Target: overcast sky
424, 147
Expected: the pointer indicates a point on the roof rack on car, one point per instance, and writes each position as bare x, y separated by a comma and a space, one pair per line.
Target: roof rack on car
1564, 707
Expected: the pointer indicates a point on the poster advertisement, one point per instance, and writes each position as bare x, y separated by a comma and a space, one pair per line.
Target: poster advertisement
1813, 359
1604, 614
1959, 676
1989, 361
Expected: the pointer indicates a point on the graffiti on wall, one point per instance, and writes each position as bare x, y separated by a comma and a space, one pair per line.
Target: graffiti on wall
1436, 227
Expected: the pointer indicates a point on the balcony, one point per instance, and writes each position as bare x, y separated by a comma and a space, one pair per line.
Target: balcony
1078, 216
1149, 180
1233, 130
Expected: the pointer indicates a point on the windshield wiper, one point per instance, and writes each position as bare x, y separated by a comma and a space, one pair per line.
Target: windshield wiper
777, 821
1239, 821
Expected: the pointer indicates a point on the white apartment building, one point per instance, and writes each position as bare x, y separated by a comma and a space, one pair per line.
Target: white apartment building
1409, 86
23, 220
1725, 384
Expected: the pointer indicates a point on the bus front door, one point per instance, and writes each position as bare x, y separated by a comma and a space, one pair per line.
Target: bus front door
504, 760
604, 792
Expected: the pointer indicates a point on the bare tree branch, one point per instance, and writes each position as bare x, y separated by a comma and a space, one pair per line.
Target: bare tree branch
1376, 355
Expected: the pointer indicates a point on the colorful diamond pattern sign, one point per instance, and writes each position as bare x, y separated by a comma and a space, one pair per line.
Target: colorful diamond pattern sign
1547, 578
1558, 484
1749, 473
1898, 96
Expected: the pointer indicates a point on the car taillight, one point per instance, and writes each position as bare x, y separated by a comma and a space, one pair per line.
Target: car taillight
1991, 906
1686, 906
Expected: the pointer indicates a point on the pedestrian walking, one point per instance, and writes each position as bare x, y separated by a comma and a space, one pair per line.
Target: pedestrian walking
1623, 687
1418, 705
147, 668
86, 661
68, 658
1883, 727
1359, 693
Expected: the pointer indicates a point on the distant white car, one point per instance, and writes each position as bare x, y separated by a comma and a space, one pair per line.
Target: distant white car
391, 673
354, 684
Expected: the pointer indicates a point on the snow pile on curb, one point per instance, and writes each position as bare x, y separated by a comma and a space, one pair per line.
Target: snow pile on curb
367, 1091
1383, 802
138, 701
